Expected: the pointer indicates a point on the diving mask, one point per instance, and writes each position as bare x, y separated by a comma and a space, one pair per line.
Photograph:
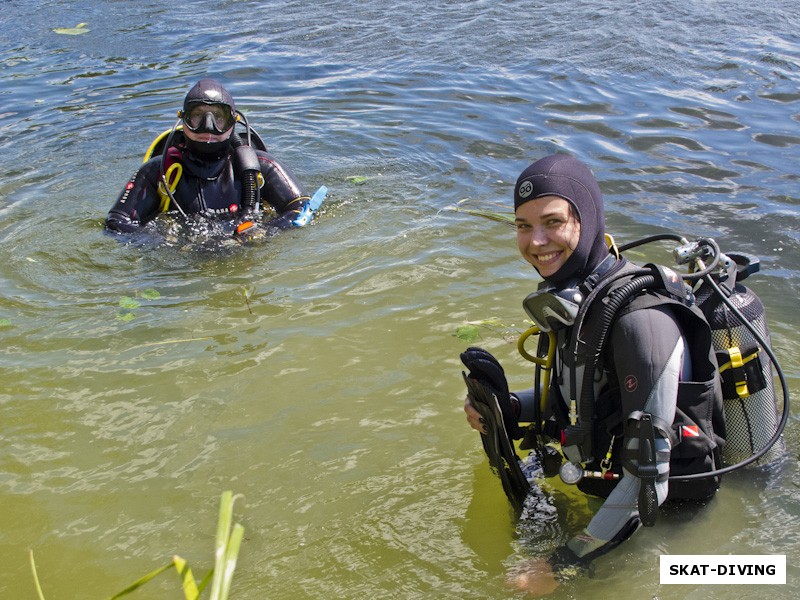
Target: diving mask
208, 118
552, 309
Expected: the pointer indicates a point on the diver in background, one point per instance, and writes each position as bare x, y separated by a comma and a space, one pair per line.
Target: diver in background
209, 170
658, 349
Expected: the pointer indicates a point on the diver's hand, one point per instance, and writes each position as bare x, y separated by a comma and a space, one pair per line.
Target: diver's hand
474, 418
535, 576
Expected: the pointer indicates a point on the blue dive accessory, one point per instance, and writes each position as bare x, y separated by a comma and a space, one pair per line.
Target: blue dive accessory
309, 209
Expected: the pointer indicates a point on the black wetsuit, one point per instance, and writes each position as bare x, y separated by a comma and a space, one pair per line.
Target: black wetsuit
210, 186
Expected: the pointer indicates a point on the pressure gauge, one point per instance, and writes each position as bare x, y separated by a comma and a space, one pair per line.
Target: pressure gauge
571, 473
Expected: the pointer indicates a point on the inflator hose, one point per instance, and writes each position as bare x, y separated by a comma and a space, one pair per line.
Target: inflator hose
248, 166
614, 302
167, 144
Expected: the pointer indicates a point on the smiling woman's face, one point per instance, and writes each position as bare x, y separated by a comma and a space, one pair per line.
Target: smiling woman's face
547, 233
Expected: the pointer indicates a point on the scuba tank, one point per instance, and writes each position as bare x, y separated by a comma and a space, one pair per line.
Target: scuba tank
742, 343
739, 338
748, 389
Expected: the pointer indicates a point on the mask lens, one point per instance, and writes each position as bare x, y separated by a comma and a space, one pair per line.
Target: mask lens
209, 118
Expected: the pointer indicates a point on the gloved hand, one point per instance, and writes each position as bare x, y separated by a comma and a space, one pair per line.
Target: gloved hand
484, 368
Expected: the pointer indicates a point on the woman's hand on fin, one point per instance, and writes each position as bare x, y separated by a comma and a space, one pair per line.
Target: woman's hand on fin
474, 418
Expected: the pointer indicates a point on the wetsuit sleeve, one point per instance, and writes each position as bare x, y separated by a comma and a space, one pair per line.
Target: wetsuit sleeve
281, 191
138, 202
647, 353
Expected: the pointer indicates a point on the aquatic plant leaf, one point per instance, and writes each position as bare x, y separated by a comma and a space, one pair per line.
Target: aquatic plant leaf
139, 583
226, 547
77, 30
206, 581
36, 577
188, 583
151, 294
129, 303
126, 317
5, 322
467, 333
357, 179
507, 219
499, 217
231, 555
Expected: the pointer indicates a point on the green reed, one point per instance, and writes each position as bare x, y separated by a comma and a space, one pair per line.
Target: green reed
226, 552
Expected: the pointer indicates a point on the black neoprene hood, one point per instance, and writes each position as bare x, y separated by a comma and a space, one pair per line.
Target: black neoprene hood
208, 91
567, 177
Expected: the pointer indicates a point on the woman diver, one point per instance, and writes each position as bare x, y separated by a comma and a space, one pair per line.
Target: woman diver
613, 399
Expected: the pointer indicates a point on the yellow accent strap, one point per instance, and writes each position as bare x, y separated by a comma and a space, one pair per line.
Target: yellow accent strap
545, 362
612, 245
742, 360
736, 358
173, 176
737, 362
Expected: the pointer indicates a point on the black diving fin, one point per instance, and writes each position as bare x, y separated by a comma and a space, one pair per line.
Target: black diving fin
497, 444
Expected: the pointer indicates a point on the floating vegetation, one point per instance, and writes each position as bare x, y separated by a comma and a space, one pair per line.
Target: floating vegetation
127, 304
151, 294
226, 553
470, 331
357, 179
499, 217
5, 322
247, 293
79, 29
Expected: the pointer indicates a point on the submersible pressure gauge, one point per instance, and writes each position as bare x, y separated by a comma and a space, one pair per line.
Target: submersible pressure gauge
571, 473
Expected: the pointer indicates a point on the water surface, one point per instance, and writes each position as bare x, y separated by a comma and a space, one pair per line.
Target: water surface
318, 373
